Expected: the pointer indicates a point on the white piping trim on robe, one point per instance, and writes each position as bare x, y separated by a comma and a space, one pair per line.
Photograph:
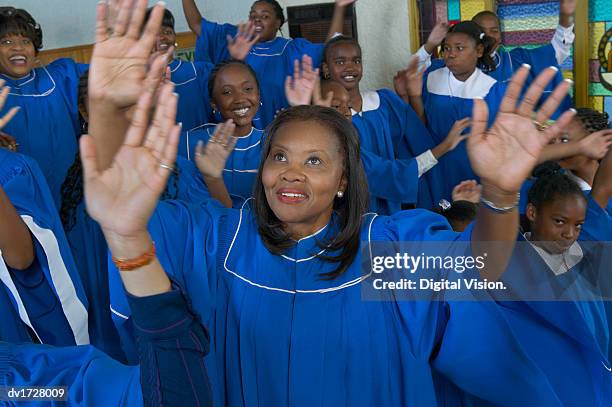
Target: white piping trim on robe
73, 308
5, 277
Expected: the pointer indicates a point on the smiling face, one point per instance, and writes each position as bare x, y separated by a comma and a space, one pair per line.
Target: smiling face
266, 22
17, 55
236, 95
556, 225
302, 173
165, 39
343, 64
341, 100
461, 54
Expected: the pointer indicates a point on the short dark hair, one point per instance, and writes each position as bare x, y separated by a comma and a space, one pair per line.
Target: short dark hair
212, 78
486, 13
592, 120
18, 21
551, 183
278, 9
349, 210
167, 19
475, 32
458, 211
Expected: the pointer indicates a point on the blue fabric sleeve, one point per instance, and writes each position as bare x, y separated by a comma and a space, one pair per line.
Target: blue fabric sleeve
597, 223
211, 45
171, 344
92, 377
394, 180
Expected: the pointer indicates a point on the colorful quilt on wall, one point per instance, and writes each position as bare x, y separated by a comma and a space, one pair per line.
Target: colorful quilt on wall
600, 43
458, 10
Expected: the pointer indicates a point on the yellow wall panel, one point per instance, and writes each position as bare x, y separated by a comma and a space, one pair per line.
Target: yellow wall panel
596, 31
597, 103
469, 8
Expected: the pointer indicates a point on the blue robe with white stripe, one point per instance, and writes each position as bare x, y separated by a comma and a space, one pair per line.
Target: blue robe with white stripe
191, 83
241, 168
47, 127
272, 61
282, 335
443, 109
390, 129
47, 297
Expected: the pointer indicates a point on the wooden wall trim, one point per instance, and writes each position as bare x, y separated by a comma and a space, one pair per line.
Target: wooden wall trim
82, 53
581, 55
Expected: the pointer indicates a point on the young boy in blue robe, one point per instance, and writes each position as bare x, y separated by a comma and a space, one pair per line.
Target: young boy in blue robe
272, 57
47, 127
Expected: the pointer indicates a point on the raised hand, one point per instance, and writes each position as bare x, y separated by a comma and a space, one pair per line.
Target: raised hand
4, 91
409, 82
505, 154
344, 3
120, 58
240, 45
436, 36
211, 158
455, 135
300, 87
467, 191
122, 198
318, 99
567, 7
596, 145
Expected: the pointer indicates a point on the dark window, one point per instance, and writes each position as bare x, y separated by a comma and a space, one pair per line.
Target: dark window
312, 22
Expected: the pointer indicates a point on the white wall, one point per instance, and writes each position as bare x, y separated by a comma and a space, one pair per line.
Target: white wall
382, 24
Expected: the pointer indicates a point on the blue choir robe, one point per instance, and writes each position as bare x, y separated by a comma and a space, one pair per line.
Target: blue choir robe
241, 168
282, 335
391, 182
191, 83
389, 128
171, 346
48, 297
90, 253
443, 108
272, 61
540, 58
47, 127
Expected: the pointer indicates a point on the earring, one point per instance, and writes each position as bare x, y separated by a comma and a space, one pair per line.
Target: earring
175, 44
326, 76
340, 194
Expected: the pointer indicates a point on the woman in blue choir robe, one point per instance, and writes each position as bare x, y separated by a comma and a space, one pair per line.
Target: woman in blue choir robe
190, 79
46, 297
271, 57
47, 126
235, 95
280, 285
389, 128
172, 343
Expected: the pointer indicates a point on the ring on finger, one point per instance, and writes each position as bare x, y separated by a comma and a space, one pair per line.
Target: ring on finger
166, 166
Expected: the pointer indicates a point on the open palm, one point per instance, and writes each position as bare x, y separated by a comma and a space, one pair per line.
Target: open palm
505, 154
211, 159
120, 59
123, 197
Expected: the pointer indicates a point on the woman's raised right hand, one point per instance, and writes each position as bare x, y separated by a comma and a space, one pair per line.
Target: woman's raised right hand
123, 197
